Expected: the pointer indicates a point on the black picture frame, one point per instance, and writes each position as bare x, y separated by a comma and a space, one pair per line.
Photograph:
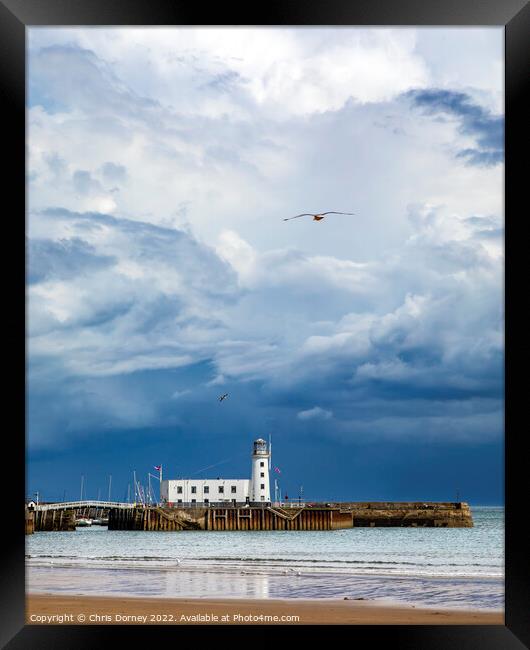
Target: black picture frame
15, 16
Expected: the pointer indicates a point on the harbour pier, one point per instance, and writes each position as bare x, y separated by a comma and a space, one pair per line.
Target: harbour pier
63, 516
256, 517
306, 517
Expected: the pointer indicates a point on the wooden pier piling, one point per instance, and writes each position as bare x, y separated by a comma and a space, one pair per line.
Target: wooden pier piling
54, 520
229, 518
30, 521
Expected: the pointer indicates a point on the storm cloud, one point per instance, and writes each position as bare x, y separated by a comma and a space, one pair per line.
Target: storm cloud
484, 127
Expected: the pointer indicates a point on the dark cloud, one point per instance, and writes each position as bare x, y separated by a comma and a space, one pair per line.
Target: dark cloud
158, 305
63, 259
84, 183
56, 164
475, 121
114, 173
63, 77
223, 82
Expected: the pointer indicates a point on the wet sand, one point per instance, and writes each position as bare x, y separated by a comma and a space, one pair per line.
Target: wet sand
101, 610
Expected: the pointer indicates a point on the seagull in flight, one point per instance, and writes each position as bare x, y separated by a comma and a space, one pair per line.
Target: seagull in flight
223, 397
316, 217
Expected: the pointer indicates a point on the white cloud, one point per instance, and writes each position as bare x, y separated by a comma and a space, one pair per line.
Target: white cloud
218, 380
162, 163
244, 171
180, 393
285, 72
315, 413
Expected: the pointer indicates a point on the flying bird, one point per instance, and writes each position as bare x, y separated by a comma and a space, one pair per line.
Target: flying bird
223, 397
316, 217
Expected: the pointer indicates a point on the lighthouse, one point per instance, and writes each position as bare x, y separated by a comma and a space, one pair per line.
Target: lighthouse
259, 483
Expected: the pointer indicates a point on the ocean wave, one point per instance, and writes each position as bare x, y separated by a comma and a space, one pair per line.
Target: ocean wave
228, 558
258, 561
258, 569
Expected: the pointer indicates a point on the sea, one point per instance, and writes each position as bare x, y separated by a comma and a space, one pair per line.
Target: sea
460, 568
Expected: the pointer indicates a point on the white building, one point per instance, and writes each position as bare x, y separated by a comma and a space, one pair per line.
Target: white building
175, 492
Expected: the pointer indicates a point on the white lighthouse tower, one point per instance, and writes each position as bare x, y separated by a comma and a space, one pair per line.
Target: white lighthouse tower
259, 484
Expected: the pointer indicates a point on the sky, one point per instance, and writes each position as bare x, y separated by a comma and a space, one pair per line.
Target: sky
161, 164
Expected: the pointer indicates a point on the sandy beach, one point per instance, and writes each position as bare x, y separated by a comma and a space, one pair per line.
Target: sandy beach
100, 610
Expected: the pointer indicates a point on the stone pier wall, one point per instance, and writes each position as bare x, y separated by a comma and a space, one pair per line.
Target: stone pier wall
413, 514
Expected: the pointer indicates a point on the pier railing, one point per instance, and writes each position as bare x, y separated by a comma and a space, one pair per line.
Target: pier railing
72, 505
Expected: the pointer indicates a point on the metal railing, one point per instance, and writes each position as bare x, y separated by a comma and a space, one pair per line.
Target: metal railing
73, 505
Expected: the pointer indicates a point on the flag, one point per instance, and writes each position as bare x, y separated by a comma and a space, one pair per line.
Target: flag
277, 469
158, 467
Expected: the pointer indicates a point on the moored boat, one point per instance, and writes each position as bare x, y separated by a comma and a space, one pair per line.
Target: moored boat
83, 522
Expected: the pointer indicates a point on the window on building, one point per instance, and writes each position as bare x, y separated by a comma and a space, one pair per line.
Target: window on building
262, 474
206, 500
234, 489
179, 489
194, 489
179, 501
194, 500
262, 464
221, 489
206, 489
262, 498
263, 486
